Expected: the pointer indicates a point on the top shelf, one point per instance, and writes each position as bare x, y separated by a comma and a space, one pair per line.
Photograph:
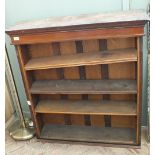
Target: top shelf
92, 58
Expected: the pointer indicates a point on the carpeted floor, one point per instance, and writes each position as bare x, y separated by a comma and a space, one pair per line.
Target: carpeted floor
33, 147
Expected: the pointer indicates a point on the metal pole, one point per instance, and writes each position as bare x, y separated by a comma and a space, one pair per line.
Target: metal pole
23, 132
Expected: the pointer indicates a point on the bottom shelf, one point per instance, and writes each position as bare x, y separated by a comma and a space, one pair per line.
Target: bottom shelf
89, 134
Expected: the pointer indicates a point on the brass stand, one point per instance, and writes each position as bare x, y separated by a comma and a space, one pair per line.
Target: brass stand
21, 132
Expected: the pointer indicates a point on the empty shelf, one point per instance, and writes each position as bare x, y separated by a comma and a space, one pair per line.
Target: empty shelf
84, 87
89, 134
92, 107
93, 58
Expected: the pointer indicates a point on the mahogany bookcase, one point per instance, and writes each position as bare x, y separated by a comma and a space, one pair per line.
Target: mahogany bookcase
83, 76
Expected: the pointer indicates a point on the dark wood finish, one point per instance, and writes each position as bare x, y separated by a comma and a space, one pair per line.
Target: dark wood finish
107, 119
129, 146
78, 35
37, 122
84, 87
117, 19
94, 107
89, 134
76, 27
83, 76
93, 58
90, 46
127, 71
53, 119
67, 48
139, 88
123, 121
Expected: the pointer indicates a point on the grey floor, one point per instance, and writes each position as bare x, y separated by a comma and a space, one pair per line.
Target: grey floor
34, 147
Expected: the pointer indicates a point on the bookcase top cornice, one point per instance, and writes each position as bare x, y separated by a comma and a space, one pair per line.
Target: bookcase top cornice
83, 21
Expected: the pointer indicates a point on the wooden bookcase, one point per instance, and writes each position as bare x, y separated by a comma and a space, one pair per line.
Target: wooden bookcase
83, 76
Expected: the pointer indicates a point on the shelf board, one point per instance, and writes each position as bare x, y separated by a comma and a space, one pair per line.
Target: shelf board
91, 58
86, 107
88, 134
84, 87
